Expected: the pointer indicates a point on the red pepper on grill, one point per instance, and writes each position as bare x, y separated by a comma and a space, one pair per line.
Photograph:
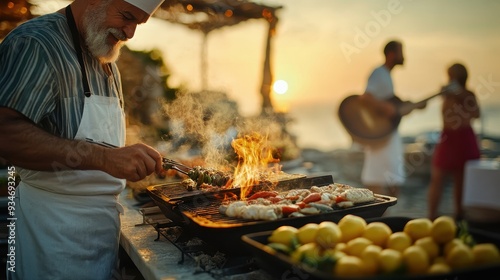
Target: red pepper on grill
275, 199
301, 204
292, 198
263, 194
312, 198
340, 198
289, 209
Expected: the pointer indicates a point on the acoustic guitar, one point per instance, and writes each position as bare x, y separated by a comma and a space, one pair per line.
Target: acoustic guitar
368, 127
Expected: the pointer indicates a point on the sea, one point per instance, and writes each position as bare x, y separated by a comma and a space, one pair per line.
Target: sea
317, 126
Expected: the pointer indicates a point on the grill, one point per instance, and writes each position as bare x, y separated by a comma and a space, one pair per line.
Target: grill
173, 192
208, 258
198, 211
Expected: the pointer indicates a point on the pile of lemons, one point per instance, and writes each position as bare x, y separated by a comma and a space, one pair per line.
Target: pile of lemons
353, 247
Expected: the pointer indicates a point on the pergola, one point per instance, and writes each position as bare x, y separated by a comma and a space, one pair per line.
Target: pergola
201, 15
209, 15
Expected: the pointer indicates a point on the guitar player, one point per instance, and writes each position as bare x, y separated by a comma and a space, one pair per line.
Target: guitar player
383, 168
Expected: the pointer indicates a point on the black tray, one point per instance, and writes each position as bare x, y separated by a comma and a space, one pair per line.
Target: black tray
169, 196
200, 215
202, 208
281, 266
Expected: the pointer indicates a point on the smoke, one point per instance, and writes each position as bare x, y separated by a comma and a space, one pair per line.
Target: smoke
212, 122
205, 120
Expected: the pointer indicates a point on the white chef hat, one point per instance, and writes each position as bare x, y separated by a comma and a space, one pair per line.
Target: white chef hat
148, 6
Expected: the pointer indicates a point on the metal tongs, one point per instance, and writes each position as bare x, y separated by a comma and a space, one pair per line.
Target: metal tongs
104, 144
167, 163
172, 164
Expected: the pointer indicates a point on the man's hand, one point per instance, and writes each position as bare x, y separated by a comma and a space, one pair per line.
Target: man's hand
26, 145
133, 162
408, 106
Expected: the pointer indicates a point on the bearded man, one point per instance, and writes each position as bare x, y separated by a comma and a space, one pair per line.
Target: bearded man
60, 87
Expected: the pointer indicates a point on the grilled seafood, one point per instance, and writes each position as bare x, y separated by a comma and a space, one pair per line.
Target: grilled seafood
267, 205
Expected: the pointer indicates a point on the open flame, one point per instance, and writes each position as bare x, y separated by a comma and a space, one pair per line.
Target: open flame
254, 155
228, 196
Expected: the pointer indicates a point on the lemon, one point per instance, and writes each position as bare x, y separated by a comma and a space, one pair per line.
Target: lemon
370, 256
370, 266
418, 228
371, 251
280, 248
485, 253
328, 259
284, 235
429, 245
328, 234
460, 257
311, 251
439, 268
416, 260
356, 246
439, 259
443, 229
349, 266
307, 233
390, 260
377, 232
352, 226
451, 244
398, 241
333, 254
341, 247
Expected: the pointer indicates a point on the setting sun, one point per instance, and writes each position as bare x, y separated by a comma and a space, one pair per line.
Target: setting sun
280, 87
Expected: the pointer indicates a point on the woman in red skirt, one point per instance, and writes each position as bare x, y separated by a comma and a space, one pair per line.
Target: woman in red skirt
458, 142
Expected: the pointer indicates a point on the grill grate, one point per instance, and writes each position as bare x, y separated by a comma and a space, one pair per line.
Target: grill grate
211, 213
176, 191
208, 258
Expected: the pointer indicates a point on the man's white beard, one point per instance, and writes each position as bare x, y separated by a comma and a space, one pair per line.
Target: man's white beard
96, 36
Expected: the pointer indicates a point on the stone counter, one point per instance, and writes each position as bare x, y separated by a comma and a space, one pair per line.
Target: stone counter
154, 259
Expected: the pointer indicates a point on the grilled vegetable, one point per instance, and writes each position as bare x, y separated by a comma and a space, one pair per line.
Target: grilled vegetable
312, 198
289, 209
208, 176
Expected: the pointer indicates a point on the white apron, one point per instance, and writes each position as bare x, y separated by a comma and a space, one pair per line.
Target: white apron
68, 222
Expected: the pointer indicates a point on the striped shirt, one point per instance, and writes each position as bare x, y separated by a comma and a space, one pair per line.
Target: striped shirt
40, 76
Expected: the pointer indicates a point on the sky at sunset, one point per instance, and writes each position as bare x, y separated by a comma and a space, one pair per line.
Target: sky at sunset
325, 50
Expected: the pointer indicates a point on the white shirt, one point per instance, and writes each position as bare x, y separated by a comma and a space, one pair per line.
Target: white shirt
380, 83
383, 166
